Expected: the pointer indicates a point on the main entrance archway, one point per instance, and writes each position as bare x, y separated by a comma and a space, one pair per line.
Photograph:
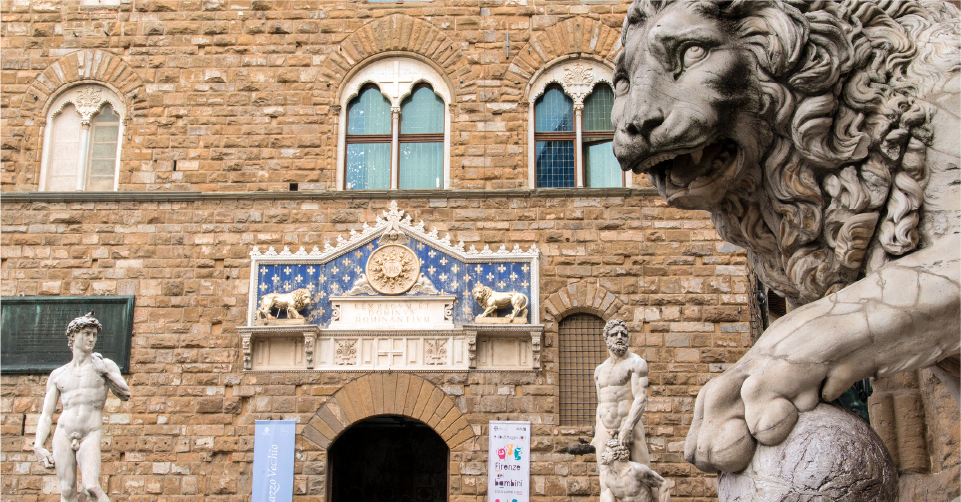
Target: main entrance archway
389, 458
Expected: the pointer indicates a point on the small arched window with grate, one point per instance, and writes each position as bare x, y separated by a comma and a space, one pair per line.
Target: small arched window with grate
581, 348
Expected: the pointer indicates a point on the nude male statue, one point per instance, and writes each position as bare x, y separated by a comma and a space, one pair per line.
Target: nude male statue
82, 386
621, 395
627, 481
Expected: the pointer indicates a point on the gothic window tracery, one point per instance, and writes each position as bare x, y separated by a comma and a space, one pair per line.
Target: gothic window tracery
82, 140
571, 131
396, 127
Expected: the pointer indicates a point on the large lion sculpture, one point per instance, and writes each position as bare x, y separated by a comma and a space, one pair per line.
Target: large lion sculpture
824, 138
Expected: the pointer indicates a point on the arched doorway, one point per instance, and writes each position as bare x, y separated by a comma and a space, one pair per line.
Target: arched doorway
388, 458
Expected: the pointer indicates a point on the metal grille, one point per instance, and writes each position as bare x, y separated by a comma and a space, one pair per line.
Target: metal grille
581, 346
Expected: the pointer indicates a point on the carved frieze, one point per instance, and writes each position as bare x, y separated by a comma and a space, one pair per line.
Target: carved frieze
346, 352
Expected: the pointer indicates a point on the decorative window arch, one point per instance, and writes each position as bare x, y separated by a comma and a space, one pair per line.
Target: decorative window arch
82, 140
570, 133
394, 126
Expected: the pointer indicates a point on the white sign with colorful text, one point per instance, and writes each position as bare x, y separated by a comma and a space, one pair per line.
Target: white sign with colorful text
509, 462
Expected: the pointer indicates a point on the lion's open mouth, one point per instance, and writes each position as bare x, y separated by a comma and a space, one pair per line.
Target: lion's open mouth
688, 171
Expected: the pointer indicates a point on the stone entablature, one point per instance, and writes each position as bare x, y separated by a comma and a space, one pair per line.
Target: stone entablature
393, 297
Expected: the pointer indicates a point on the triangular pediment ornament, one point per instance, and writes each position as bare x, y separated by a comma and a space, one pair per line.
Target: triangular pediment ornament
393, 256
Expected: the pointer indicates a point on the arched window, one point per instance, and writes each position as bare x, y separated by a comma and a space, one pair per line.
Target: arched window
554, 139
581, 348
572, 132
601, 168
422, 139
82, 140
397, 127
368, 141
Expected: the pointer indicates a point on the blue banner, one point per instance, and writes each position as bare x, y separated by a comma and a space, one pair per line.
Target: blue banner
274, 460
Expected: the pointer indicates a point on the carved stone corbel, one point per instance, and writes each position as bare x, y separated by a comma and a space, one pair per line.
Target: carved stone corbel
536, 349
310, 337
471, 349
248, 355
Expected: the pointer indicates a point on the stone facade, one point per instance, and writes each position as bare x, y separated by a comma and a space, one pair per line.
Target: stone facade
231, 142
187, 432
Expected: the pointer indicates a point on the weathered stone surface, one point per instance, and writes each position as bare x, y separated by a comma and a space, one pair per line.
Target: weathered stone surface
830, 455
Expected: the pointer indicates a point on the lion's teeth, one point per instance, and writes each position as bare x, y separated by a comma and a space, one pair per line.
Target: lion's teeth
696, 156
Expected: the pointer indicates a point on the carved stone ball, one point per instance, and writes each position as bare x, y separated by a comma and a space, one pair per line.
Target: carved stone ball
831, 455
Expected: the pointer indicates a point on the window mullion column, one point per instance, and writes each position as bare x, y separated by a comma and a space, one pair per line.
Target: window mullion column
84, 153
578, 146
395, 148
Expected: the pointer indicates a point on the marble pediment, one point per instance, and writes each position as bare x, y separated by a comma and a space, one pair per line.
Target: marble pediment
390, 295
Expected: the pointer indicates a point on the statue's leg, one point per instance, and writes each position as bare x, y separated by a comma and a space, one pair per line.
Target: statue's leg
601, 435
951, 382
88, 458
66, 466
639, 451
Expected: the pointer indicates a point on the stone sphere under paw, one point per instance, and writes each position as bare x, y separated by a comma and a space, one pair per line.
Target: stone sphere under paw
830, 455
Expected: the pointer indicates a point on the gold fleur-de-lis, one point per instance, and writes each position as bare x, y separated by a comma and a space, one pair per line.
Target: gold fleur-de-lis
443, 260
501, 268
431, 269
287, 270
513, 276
298, 278
311, 270
478, 269
525, 268
490, 276
455, 268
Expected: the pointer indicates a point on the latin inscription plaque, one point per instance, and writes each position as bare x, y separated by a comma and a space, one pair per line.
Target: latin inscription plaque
33, 330
378, 312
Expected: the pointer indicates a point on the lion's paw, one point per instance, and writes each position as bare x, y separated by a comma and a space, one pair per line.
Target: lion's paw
752, 403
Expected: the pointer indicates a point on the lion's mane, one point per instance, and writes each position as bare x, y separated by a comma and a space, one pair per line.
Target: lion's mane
846, 168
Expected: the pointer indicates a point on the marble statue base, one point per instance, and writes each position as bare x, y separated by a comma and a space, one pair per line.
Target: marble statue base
282, 322
499, 320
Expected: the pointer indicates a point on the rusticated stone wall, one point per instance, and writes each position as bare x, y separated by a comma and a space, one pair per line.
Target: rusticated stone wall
187, 432
241, 95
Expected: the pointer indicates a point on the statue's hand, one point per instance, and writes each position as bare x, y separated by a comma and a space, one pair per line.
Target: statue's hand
625, 437
758, 400
44, 456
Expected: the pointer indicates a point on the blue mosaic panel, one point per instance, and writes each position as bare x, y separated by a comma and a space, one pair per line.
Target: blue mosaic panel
450, 276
